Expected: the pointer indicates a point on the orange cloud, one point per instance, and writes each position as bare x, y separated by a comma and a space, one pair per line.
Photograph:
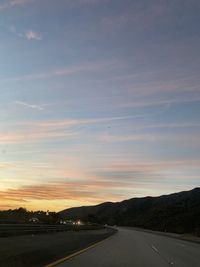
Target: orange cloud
28, 137
62, 190
88, 192
7, 165
112, 183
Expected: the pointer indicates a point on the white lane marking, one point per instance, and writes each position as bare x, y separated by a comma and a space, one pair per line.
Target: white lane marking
157, 251
154, 248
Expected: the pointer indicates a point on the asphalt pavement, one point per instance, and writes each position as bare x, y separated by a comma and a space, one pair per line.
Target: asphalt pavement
132, 248
41, 249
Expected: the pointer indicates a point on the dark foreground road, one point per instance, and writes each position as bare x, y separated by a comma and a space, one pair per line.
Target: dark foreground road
42, 249
131, 248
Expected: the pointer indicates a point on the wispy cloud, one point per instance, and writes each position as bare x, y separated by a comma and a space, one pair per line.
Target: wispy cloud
85, 67
114, 182
13, 29
149, 173
31, 35
178, 139
46, 130
127, 138
37, 136
56, 125
159, 102
28, 105
14, 3
87, 121
152, 165
85, 192
186, 125
187, 83
69, 128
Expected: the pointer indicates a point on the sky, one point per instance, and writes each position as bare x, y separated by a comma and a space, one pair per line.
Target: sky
99, 101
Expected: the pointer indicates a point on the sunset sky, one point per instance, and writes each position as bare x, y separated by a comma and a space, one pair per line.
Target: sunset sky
99, 100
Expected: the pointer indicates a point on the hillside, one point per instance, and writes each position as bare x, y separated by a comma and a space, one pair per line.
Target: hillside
178, 212
21, 215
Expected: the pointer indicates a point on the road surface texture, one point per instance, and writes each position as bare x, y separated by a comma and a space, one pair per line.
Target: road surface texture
42, 249
131, 248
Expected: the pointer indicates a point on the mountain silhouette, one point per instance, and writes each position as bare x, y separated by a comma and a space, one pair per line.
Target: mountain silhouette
178, 212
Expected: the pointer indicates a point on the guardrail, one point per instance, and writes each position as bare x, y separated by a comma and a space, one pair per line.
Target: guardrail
24, 229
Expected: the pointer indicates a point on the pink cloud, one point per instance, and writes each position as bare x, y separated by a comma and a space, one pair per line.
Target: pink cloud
154, 166
98, 187
31, 35
46, 130
86, 67
36, 136
64, 123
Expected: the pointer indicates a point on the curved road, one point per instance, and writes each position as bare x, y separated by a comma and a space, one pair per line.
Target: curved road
131, 248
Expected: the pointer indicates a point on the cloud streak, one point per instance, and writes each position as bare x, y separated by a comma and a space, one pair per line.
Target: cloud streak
112, 182
24, 137
29, 34
87, 67
51, 130
14, 3
37, 131
21, 103
87, 121
87, 191
173, 138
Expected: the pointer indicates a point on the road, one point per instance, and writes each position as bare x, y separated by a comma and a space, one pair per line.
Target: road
37, 250
131, 248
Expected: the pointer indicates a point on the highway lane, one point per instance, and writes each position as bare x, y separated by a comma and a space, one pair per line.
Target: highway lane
131, 248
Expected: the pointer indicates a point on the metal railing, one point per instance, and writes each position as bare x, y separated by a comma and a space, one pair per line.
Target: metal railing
24, 229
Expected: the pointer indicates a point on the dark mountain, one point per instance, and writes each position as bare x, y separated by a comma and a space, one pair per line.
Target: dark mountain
179, 212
